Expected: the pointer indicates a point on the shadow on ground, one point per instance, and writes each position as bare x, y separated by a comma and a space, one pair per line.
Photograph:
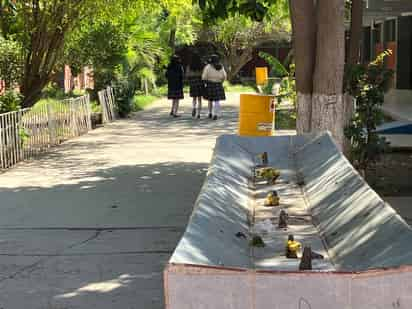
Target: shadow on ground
122, 196
93, 222
139, 213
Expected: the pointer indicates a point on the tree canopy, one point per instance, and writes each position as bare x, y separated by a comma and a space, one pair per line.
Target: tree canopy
237, 36
87, 32
222, 9
136, 41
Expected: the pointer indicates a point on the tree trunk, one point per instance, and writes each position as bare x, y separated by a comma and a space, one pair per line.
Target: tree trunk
353, 59
355, 31
328, 104
172, 39
40, 62
32, 92
304, 41
235, 62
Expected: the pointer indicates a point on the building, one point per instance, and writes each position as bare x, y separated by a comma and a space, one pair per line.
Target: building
387, 24
84, 80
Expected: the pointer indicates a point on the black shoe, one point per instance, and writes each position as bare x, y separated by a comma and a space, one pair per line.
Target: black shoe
198, 116
194, 112
176, 116
171, 113
210, 116
215, 118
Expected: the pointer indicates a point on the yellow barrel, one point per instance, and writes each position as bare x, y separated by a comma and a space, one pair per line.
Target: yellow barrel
256, 115
261, 76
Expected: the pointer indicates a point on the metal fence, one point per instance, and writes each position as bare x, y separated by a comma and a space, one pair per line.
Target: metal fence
31, 131
107, 101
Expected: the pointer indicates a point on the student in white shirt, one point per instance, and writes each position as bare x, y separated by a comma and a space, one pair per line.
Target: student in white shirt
214, 75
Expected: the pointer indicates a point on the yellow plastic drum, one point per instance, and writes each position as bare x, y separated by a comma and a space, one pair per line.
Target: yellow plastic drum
261, 76
256, 115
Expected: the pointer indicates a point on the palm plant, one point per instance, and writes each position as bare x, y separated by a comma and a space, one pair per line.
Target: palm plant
278, 70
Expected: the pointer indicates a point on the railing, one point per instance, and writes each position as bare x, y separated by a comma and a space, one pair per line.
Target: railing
107, 101
31, 131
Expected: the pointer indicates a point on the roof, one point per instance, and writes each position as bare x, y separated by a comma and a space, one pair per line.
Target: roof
379, 10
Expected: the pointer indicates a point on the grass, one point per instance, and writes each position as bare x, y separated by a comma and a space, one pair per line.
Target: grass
140, 102
162, 90
238, 87
42, 104
57, 105
96, 107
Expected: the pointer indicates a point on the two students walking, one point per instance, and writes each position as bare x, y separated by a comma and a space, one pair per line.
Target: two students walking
205, 82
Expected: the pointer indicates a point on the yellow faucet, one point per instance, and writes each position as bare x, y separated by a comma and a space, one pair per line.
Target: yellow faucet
292, 248
272, 199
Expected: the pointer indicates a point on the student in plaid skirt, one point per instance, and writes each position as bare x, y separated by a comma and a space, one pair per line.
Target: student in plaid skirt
214, 75
209, 103
174, 75
197, 86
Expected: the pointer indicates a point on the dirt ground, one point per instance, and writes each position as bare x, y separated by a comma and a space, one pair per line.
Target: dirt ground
392, 175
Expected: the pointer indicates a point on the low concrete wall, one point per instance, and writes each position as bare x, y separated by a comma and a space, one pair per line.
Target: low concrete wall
211, 268
201, 288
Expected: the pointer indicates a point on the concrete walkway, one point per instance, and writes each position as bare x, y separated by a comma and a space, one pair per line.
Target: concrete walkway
400, 111
92, 223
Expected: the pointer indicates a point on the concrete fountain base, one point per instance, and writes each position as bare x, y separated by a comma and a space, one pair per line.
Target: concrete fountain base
365, 244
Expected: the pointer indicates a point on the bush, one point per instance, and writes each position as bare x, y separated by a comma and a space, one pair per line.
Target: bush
141, 101
160, 91
124, 92
286, 75
11, 61
53, 91
10, 101
95, 107
78, 93
93, 94
367, 84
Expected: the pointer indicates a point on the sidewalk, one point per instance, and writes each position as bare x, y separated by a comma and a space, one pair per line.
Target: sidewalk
92, 223
399, 111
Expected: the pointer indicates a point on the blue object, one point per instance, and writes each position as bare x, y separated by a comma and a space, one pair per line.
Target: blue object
396, 127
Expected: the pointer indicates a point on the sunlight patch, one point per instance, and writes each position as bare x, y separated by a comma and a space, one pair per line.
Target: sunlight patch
100, 287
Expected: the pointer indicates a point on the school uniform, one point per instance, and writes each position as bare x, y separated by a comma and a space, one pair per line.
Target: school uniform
197, 85
214, 90
197, 90
174, 75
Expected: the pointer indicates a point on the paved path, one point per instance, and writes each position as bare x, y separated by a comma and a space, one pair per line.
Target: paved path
399, 110
91, 224
403, 205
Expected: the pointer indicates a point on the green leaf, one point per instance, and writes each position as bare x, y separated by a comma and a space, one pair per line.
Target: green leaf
276, 66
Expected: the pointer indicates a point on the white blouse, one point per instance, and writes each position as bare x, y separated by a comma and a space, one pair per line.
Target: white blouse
212, 75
